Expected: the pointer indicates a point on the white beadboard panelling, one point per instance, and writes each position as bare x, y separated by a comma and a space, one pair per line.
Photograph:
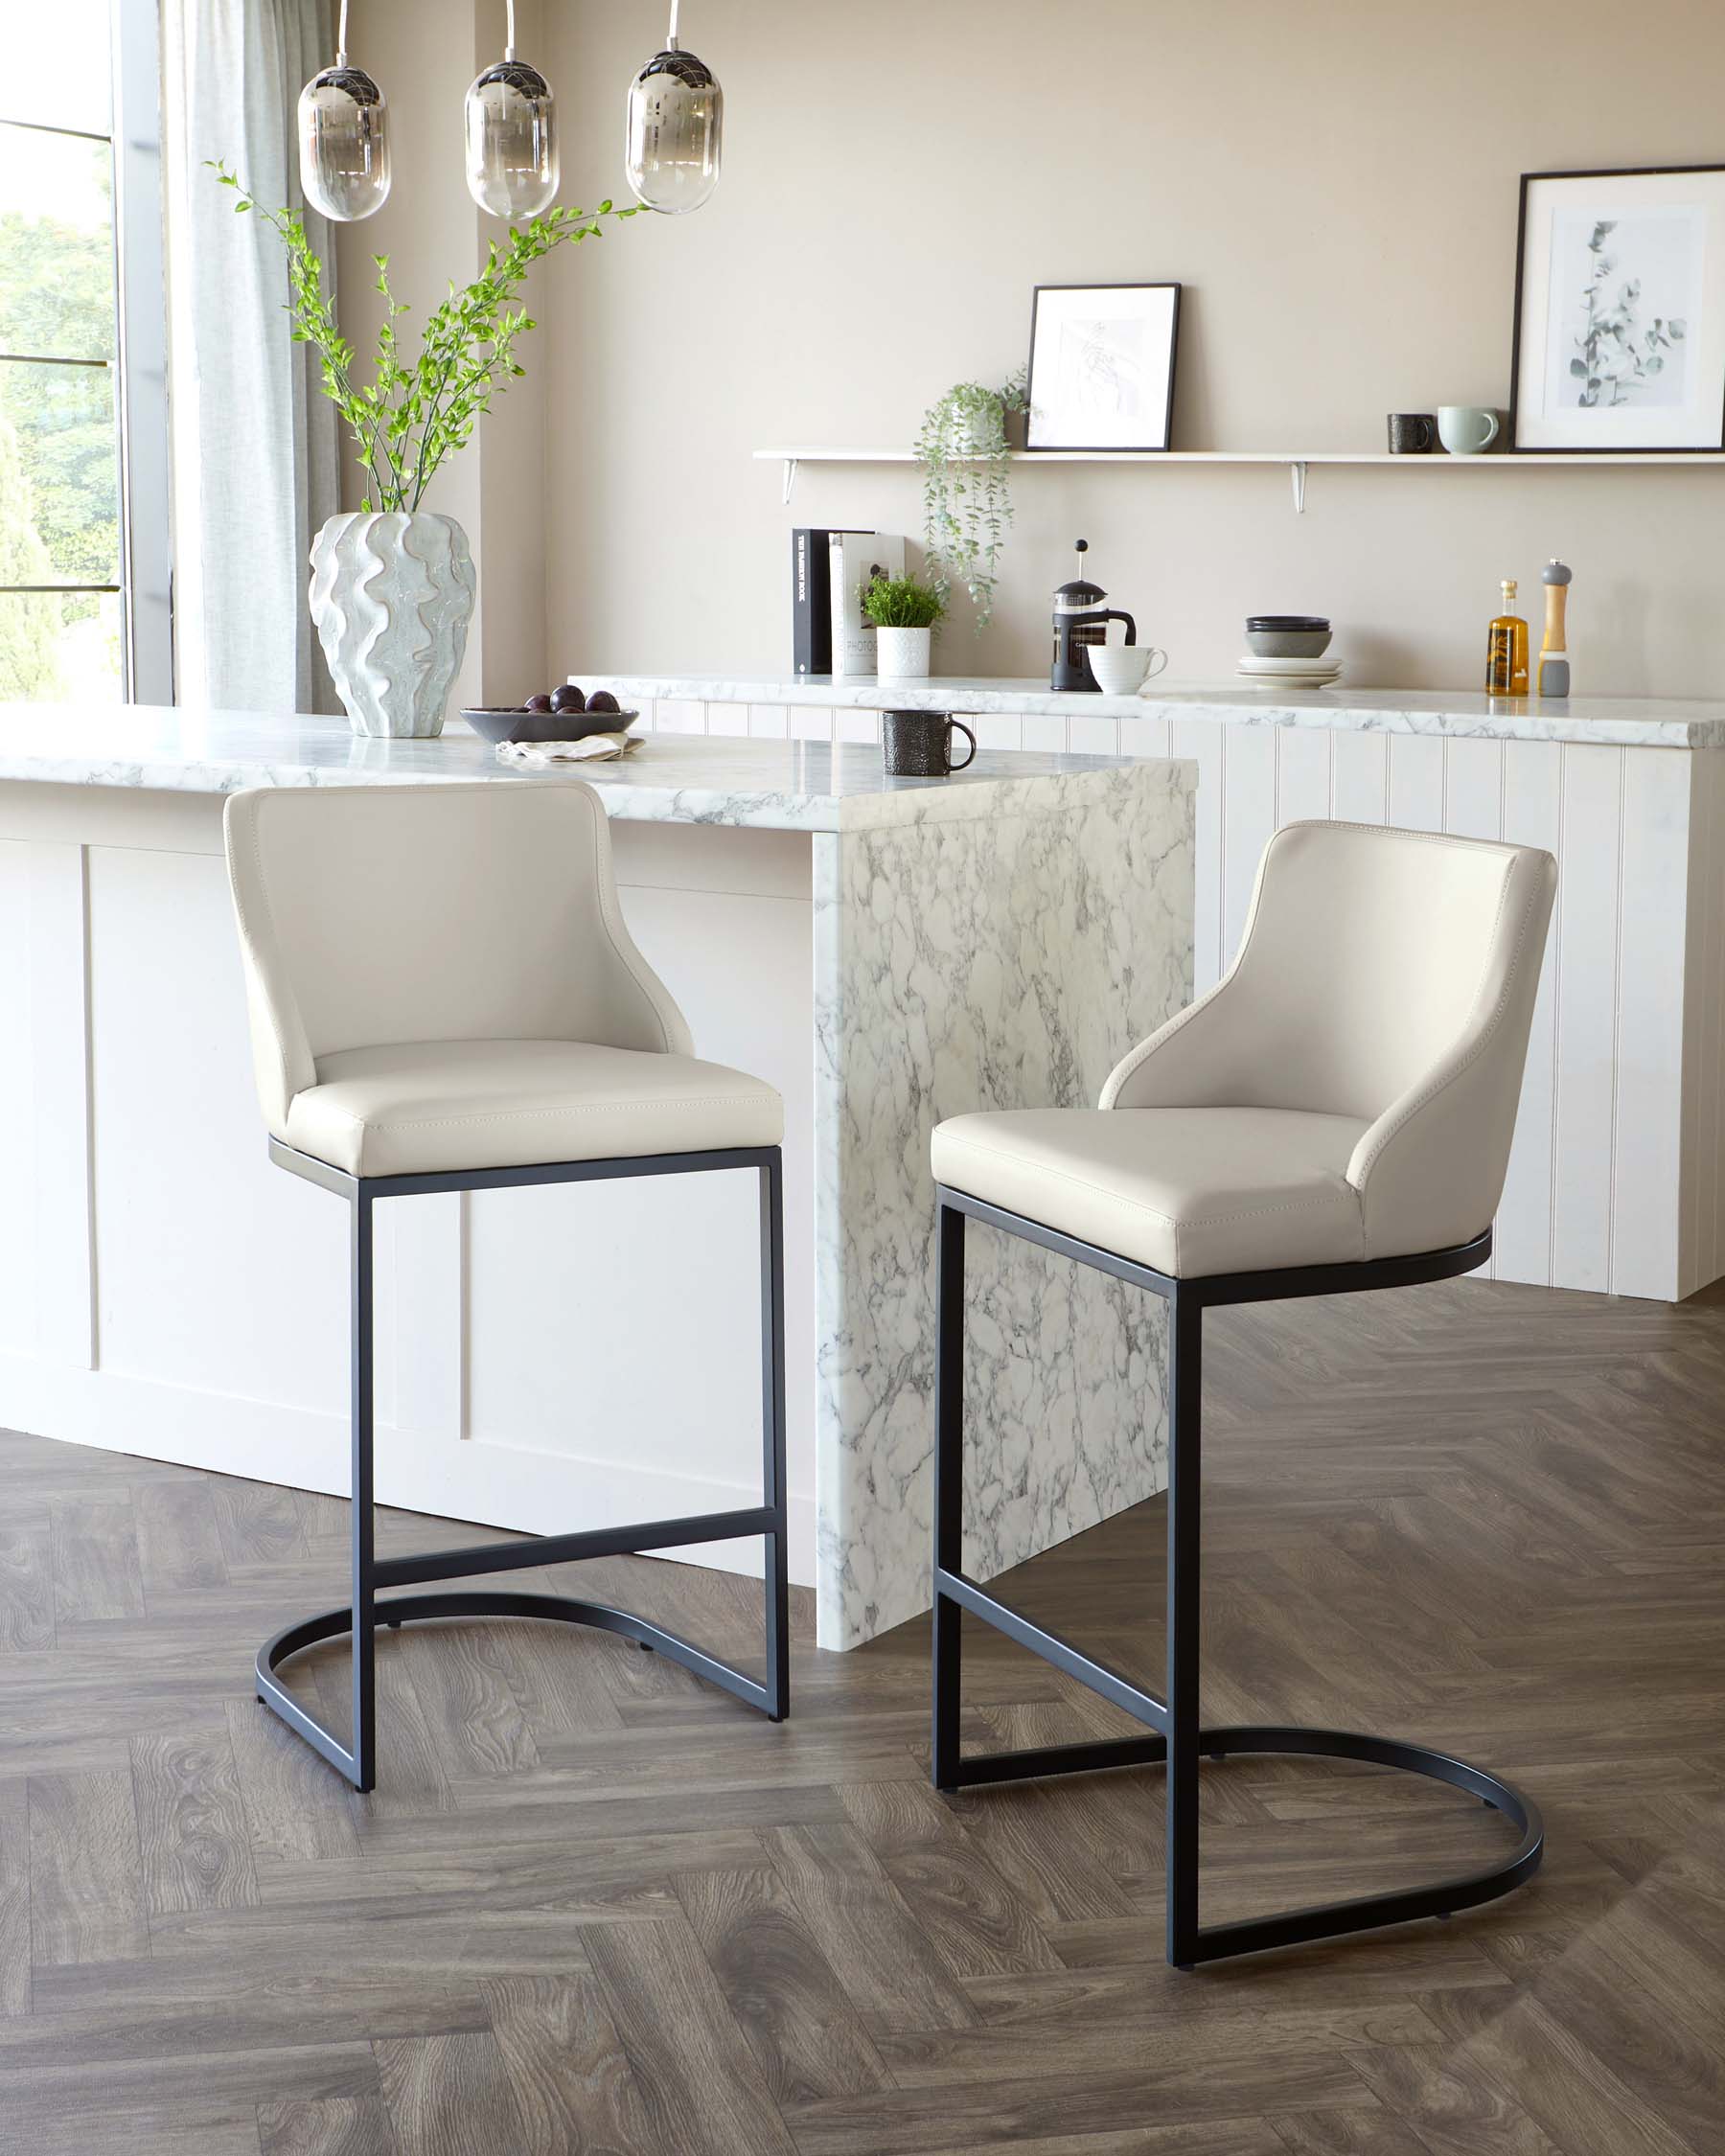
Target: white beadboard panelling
1098, 737
857, 727
1416, 782
18, 1112
671, 715
1533, 816
998, 729
1473, 789
1302, 774
1647, 1150
1200, 740
1360, 778
1042, 731
769, 722
1704, 1016
1248, 820
60, 1046
1145, 737
727, 719
1589, 870
811, 722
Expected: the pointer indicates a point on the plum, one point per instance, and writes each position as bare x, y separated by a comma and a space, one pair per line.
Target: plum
567, 698
602, 699
540, 702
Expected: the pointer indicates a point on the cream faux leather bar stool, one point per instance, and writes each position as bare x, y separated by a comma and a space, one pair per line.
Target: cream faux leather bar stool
444, 996
1334, 1114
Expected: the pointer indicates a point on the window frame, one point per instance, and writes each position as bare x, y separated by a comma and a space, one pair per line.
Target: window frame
138, 366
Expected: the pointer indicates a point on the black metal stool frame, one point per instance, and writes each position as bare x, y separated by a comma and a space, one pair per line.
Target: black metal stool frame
1180, 1742
357, 1759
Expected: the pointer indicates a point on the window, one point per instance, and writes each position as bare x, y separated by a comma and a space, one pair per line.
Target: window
84, 496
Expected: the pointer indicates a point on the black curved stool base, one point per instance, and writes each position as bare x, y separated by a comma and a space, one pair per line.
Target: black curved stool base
1177, 1743
359, 1618
416, 1608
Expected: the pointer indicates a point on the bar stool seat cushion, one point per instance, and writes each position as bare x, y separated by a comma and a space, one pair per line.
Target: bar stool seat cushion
437, 1107
1185, 1190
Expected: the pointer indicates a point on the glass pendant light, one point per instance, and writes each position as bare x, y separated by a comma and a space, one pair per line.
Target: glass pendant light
511, 137
344, 139
676, 119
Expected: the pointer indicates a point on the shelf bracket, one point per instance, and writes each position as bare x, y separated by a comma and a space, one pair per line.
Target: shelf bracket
789, 478
1297, 472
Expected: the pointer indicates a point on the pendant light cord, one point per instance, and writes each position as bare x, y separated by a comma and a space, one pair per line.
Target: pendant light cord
509, 42
341, 37
671, 39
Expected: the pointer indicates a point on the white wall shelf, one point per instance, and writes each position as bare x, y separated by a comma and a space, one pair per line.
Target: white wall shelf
1294, 461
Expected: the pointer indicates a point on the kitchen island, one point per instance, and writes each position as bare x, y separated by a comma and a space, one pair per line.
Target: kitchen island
1617, 1181
885, 951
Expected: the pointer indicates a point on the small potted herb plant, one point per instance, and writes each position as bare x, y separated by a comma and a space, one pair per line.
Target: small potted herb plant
903, 610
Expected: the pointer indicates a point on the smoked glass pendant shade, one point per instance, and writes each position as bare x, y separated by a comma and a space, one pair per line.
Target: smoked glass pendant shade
676, 122
344, 143
512, 140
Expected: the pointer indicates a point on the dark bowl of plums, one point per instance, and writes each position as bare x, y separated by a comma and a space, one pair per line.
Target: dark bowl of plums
559, 714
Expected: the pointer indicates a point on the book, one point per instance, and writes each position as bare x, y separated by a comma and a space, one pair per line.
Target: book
811, 602
857, 559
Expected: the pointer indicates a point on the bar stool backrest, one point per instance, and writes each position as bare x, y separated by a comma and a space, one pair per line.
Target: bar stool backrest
371, 916
1387, 976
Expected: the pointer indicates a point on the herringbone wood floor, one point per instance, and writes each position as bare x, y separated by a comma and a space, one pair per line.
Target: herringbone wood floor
596, 1908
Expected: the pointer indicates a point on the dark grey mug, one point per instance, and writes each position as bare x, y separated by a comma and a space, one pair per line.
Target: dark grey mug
1411, 433
919, 744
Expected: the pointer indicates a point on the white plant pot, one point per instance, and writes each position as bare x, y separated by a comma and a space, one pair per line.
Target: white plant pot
902, 655
392, 595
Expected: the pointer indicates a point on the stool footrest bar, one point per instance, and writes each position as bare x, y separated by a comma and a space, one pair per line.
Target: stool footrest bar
478, 1559
1109, 1683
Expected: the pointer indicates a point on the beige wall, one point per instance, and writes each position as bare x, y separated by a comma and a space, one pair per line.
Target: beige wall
1334, 185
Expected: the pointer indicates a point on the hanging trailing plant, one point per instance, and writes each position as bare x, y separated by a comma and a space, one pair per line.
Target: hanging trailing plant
967, 487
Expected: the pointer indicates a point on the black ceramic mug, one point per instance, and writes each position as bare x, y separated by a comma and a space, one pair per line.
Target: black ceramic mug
1411, 433
919, 744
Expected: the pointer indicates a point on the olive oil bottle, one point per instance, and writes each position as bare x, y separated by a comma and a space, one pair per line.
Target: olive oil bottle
1507, 649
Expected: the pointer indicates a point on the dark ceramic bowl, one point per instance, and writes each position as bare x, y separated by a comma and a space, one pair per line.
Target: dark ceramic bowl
1287, 621
547, 726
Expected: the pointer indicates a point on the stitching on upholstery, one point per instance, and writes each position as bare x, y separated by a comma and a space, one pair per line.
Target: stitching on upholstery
1448, 1077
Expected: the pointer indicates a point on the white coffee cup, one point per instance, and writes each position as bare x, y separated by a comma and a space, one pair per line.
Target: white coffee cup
1121, 669
1465, 429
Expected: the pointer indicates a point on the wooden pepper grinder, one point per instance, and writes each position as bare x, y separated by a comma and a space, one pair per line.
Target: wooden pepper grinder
1554, 655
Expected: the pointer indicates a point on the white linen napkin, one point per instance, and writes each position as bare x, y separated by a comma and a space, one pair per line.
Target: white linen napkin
595, 748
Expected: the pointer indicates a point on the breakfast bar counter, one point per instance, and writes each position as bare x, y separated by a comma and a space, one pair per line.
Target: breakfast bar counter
885, 951
1617, 1181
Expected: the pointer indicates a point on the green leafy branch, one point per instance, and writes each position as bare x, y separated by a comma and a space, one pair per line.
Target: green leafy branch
414, 414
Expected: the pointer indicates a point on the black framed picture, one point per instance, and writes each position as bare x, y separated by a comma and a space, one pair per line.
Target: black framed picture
1102, 366
1619, 312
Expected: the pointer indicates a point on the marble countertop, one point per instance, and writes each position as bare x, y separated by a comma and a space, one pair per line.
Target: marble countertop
1637, 722
768, 785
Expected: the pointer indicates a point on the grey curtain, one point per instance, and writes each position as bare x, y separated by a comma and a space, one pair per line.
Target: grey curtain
256, 443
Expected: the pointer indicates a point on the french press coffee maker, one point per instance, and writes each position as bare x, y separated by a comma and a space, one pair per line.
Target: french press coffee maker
1081, 620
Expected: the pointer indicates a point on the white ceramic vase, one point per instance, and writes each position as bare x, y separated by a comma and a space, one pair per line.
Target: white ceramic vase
902, 655
392, 595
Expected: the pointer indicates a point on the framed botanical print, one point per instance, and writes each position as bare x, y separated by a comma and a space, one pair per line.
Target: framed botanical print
1619, 312
1102, 366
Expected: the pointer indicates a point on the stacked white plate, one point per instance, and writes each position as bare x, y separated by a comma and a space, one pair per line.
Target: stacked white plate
1290, 673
